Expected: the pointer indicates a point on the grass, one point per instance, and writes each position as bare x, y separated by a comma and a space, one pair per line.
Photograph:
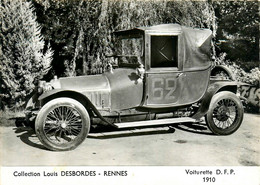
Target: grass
9, 118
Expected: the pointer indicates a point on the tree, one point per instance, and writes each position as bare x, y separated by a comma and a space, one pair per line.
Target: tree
122, 14
23, 61
80, 31
69, 26
238, 33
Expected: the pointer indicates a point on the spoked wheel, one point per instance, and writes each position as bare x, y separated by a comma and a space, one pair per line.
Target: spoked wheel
225, 113
62, 124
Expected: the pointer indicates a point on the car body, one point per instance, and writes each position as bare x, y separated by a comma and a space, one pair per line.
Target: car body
163, 76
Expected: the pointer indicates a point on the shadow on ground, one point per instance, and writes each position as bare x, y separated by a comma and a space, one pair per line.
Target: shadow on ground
197, 128
119, 133
105, 133
28, 136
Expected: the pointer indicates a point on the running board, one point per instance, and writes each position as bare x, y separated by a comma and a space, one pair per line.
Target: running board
155, 122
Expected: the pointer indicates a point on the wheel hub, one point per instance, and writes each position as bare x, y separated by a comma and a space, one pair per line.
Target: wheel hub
223, 113
63, 125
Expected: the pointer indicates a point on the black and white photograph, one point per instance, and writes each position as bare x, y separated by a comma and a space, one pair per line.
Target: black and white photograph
129, 92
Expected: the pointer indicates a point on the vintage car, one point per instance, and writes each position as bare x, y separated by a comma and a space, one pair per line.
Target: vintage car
164, 75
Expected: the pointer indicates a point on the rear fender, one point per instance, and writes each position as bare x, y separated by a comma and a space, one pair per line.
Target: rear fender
214, 88
225, 69
57, 93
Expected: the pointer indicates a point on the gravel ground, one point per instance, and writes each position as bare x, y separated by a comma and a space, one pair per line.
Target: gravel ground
180, 145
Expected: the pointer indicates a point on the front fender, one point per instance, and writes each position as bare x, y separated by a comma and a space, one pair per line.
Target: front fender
50, 93
214, 88
90, 107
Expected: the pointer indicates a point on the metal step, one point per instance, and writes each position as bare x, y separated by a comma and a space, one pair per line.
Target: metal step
131, 132
168, 121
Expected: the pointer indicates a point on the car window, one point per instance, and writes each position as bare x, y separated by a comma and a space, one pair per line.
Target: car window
129, 50
164, 51
129, 46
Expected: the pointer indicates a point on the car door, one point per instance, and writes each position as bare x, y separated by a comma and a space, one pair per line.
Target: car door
163, 76
173, 78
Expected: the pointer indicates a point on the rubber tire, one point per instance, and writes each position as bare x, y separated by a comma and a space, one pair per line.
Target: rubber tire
39, 123
209, 116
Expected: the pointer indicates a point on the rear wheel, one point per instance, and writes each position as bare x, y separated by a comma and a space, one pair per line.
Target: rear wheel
225, 113
62, 124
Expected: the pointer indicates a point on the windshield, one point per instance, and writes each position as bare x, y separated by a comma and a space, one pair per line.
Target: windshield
129, 50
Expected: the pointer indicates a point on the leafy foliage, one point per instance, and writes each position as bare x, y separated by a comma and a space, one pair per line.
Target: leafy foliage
22, 60
238, 29
80, 31
250, 82
252, 77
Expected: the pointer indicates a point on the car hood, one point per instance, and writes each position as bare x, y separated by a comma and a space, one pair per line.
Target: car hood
85, 84
115, 90
95, 87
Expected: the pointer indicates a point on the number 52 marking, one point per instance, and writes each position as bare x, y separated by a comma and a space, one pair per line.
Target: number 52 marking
163, 88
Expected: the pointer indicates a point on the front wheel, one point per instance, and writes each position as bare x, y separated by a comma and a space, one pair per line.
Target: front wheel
225, 113
62, 124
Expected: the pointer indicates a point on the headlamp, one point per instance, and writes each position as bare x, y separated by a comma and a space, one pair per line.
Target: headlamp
43, 86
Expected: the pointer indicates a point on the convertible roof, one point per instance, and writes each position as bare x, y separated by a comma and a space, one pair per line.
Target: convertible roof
169, 28
194, 43
163, 28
